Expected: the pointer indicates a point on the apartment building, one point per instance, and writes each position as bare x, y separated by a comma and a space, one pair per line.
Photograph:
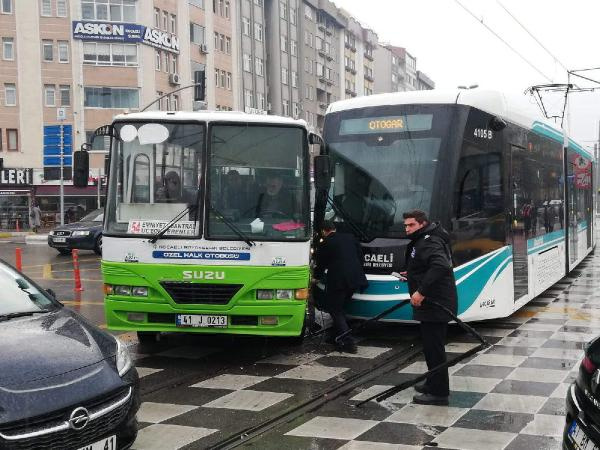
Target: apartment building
397, 71
358, 65
78, 63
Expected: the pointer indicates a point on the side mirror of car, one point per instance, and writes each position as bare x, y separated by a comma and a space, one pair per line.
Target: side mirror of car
51, 293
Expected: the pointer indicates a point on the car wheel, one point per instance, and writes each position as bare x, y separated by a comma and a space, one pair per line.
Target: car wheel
98, 246
148, 337
64, 251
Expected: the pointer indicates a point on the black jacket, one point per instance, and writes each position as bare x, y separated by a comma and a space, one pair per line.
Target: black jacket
429, 268
341, 255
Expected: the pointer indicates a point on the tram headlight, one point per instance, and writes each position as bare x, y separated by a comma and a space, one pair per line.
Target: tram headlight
264, 294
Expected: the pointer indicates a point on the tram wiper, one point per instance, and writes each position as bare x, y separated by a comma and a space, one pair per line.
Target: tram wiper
243, 236
172, 222
358, 230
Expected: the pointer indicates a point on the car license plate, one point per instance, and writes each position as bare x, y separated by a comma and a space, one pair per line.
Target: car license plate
110, 443
59, 239
201, 321
579, 439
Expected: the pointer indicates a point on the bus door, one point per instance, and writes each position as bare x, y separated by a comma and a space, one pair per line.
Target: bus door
522, 212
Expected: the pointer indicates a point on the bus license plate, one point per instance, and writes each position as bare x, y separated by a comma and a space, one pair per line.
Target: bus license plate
110, 443
580, 440
201, 321
59, 239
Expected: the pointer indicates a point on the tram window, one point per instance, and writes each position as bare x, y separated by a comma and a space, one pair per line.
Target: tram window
477, 223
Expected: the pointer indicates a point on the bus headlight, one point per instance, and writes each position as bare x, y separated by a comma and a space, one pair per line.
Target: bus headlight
139, 291
302, 294
123, 358
264, 294
285, 294
122, 290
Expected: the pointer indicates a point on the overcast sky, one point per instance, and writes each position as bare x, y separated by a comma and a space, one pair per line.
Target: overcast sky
453, 48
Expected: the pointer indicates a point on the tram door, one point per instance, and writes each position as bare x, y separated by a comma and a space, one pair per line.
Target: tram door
522, 216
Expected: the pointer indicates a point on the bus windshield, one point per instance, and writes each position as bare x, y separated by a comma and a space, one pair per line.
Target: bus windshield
155, 174
385, 161
257, 177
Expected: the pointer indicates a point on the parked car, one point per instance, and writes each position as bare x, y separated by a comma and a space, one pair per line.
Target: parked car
582, 428
64, 383
85, 234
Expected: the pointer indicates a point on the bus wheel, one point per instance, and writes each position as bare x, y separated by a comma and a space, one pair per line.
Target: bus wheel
148, 337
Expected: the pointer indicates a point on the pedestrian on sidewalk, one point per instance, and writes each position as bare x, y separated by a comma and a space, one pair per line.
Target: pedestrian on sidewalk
430, 275
340, 254
35, 217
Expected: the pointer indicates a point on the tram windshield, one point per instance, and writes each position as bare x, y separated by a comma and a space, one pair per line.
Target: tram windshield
385, 161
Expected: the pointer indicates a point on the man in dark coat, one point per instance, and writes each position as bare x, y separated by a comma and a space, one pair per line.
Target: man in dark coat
430, 277
340, 254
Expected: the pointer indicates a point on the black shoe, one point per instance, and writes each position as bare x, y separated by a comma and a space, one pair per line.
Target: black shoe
421, 388
430, 399
347, 347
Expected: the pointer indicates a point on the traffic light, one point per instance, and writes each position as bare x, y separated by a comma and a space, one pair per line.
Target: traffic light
81, 168
200, 88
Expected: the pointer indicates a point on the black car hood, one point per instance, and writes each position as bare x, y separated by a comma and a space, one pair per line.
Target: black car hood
80, 226
46, 345
52, 362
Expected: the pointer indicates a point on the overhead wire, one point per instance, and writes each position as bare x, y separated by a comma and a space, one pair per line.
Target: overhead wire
529, 63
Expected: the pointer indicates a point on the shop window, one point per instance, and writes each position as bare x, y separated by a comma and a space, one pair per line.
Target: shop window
12, 139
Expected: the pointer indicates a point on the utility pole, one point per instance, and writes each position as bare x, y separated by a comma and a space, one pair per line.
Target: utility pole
61, 116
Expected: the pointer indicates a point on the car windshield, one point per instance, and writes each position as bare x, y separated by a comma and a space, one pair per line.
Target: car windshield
258, 183
95, 216
156, 170
21, 295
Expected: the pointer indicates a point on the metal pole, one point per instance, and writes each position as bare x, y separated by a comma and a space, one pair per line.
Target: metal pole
99, 185
62, 182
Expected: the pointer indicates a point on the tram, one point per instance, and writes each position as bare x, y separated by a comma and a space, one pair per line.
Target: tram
515, 195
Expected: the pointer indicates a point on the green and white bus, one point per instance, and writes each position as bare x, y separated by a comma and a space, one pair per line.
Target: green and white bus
207, 224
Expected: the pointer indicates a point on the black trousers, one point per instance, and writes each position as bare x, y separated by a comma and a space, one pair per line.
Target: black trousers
433, 335
335, 307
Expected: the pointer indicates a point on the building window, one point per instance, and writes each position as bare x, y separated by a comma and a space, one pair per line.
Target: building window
47, 8
108, 97
248, 98
108, 10
166, 62
47, 51
63, 51
284, 75
284, 43
157, 57
293, 47
283, 10
61, 8
286, 107
258, 2
308, 12
165, 21
100, 54
226, 9
260, 100
217, 78
197, 3
8, 48
260, 66
65, 95
294, 79
247, 62
228, 45
246, 26
156, 18
49, 95
258, 31
228, 80
10, 94
196, 33
174, 63
7, 7
173, 24
175, 102
293, 16
12, 139
295, 110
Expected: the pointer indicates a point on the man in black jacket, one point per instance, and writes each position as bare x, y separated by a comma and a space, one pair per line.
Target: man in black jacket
340, 254
430, 277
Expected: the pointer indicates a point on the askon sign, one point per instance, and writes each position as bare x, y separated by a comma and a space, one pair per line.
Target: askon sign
125, 32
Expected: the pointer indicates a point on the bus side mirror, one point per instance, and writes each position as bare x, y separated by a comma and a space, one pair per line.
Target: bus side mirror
322, 172
81, 167
497, 124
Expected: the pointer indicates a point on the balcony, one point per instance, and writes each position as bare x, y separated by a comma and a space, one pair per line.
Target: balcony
369, 78
323, 105
350, 45
351, 92
321, 26
351, 70
322, 53
369, 56
329, 31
